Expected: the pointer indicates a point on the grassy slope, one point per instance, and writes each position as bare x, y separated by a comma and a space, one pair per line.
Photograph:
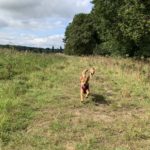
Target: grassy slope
40, 107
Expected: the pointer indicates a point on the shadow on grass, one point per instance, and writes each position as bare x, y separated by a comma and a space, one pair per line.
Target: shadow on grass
99, 99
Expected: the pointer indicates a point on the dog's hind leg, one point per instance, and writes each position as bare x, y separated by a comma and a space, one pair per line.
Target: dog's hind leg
87, 93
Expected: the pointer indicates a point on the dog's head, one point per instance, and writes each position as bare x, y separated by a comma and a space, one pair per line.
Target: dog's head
92, 71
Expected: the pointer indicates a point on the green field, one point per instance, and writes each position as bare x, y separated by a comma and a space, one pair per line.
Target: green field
40, 105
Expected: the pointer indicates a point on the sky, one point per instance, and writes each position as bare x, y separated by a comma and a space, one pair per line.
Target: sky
38, 23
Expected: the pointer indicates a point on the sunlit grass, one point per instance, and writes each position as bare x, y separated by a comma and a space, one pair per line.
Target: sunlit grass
40, 103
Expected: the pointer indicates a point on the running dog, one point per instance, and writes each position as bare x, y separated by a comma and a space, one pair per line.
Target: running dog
84, 82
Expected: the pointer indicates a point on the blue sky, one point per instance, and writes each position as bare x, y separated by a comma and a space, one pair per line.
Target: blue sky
39, 23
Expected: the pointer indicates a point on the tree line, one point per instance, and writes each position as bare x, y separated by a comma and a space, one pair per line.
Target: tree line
33, 49
113, 27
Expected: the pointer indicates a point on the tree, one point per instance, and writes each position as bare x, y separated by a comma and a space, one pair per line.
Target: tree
122, 25
80, 36
114, 27
135, 24
53, 49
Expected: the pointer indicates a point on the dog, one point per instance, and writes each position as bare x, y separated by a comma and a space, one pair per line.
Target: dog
84, 82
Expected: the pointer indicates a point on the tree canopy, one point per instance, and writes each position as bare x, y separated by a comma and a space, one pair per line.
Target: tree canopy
113, 27
80, 36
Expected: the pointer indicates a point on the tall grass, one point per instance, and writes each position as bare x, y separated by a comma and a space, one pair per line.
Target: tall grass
20, 74
40, 103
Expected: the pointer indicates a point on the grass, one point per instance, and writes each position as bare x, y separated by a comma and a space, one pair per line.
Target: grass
40, 104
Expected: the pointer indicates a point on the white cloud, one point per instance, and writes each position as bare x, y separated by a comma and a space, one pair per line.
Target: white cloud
32, 40
39, 16
31, 23
47, 41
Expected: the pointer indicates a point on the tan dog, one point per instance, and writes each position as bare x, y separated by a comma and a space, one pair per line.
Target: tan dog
84, 82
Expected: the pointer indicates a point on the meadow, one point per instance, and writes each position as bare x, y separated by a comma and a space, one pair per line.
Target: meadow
40, 105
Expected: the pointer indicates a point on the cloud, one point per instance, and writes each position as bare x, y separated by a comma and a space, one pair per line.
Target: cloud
3, 23
32, 40
48, 41
24, 9
37, 22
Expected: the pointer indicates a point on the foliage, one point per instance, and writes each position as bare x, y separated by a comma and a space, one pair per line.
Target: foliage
32, 49
80, 36
121, 27
123, 23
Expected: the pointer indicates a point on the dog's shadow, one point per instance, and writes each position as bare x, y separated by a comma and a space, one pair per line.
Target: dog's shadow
99, 99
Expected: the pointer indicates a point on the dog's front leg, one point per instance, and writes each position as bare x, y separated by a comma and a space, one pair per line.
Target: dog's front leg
81, 95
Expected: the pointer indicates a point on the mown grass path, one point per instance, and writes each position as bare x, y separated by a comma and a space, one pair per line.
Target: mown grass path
47, 114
